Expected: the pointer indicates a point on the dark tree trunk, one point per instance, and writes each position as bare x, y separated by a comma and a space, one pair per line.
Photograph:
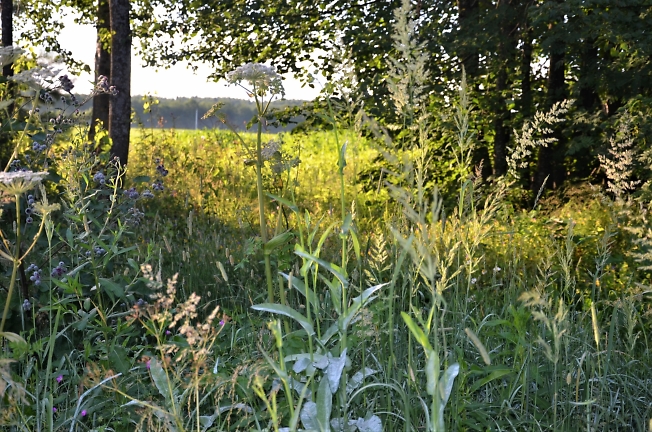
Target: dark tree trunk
7, 31
589, 99
550, 163
501, 130
120, 109
468, 11
526, 73
102, 67
506, 47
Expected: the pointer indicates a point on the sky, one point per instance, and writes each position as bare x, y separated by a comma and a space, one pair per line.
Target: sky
80, 39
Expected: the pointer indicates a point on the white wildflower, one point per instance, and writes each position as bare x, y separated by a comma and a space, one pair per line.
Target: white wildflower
497, 269
262, 78
473, 281
268, 151
18, 182
10, 54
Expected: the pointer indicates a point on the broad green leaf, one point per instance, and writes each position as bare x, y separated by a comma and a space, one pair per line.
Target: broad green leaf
334, 371
373, 424
287, 311
309, 416
356, 380
432, 372
356, 304
334, 269
285, 202
445, 389
301, 287
324, 405
446, 382
163, 385
5, 103
417, 332
112, 289
495, 374
341, 164
12, 337
142, 179
276, 242
119, 359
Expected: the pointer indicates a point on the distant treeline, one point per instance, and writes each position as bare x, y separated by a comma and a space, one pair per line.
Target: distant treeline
186, 113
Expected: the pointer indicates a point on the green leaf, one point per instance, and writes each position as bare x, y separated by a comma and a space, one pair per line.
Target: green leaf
432, 372
324, 405
287, 311
356, 304
287, 203
163, 385
12, 337
276, 242
342, 162
334, 269
309, 416
419, 335
5, 103
142, 179
500, 372
119, 359
334, 371
112, 289
301, 287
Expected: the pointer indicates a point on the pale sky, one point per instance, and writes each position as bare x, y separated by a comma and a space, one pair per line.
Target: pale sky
177, 81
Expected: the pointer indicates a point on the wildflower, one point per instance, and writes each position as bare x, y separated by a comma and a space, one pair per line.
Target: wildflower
60, 378
19, 182
132, 193
158, 185
168, 332
497, 269
99, 178
54, 409
473, 281
29, 220
161, 170
222, 323
262, 78
9, 54
83, 413
148, 364
270, 149
27, 306
59, 270
66, 84
147, 194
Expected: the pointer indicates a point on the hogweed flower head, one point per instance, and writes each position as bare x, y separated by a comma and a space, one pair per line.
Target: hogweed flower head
264, 79
10, 54
19, 182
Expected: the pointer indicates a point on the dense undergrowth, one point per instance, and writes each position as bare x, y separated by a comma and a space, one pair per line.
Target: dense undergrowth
143, 301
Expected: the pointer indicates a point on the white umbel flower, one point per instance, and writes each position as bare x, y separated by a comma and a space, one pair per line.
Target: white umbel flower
18, 182
262, 78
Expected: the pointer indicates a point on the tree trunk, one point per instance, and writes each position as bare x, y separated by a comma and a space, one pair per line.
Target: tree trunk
120, 107
526, 73
7, 31
102, 67
550, 163
468, 53
506, 47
